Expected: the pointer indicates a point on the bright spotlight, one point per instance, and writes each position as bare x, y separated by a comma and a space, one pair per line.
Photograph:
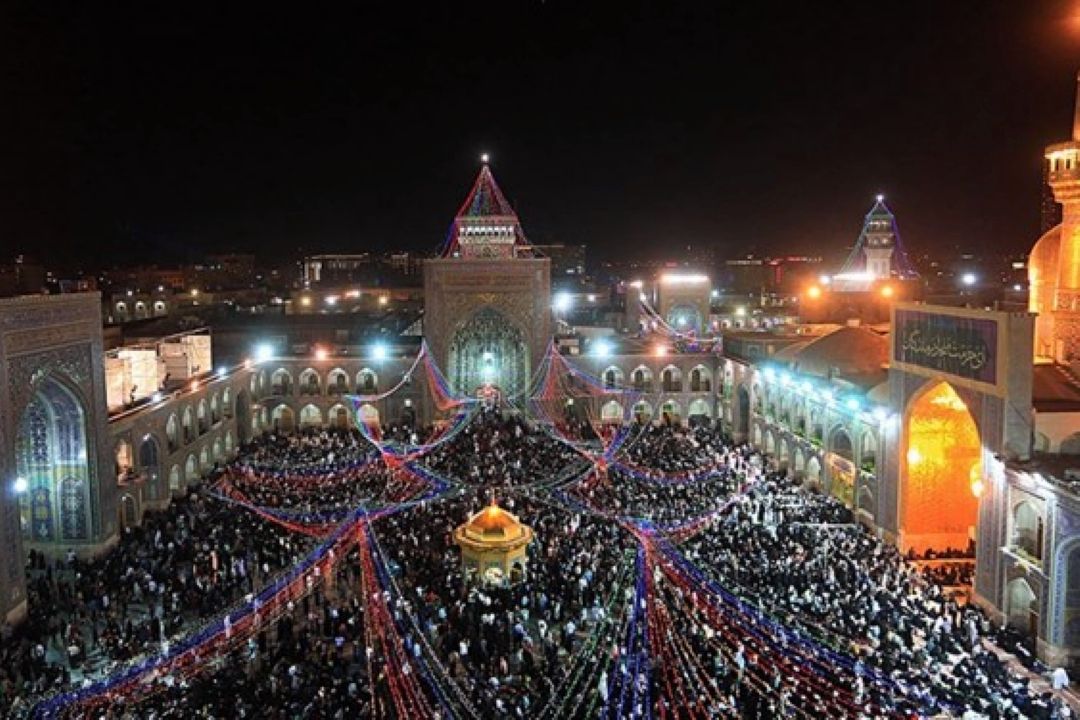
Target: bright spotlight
485, 158
969, 278
264, 352
222, 372
331, 300
563, 302
321, 354
156, 397
379, 351
714, 294
660, 350
852, 404
681, 321
887, 291
21, 485
813, 292
602, 349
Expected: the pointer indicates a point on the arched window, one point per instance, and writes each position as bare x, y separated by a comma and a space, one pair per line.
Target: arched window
642, 379
611, 412
281, 382
1027, 535
189, 425
671, 378
642, 411
150, 464
310, 416
613, 377
172, 433
226, 403
367, 382
700, 379
283, 418
337, 382
215, 410
309, 382
204, 417
191, 470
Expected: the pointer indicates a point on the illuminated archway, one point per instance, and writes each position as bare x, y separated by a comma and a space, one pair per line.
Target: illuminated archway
611, 412
52, 464
943, 472
488, 349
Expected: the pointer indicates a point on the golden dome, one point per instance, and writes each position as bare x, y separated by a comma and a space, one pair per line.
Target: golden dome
1043, 269
493, 528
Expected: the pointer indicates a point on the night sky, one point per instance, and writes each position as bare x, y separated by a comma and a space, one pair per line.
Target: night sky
631, 127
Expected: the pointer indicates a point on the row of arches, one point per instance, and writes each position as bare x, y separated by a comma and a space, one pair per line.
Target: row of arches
671, 379
195, 420
310, 382
284, 419
670, 410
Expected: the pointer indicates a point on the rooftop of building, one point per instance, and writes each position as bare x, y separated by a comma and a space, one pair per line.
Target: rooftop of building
1055, 388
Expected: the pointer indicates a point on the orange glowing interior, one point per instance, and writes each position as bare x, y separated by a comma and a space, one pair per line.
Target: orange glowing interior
944, 473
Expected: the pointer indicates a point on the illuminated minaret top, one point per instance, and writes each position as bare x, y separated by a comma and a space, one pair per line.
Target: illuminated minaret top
486, 226
1058, 274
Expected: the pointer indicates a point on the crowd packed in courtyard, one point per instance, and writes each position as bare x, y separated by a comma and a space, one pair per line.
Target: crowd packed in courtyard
684, 576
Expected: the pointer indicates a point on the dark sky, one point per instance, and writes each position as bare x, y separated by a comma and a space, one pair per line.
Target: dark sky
755, 125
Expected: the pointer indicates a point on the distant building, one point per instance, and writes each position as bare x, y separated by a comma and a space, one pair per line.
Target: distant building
566, 260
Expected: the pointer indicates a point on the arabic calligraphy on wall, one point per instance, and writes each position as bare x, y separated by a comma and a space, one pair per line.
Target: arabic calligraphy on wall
965, 347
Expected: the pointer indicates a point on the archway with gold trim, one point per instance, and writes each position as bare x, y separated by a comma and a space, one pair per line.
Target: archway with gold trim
942, 471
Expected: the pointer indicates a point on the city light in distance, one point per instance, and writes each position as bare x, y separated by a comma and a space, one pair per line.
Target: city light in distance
264, 352
681, 279
563, 302
485, 158
222, 371
21, 485
602, 349
379, 351
331, 300
305, 301
591, 297
887, 291
740, 311
969, 278
813, 292
384, 299
321, 353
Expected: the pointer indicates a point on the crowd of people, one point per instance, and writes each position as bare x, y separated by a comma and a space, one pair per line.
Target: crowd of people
564, 641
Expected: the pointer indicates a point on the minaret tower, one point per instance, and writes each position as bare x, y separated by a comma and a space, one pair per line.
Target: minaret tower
1064, 178
880, 240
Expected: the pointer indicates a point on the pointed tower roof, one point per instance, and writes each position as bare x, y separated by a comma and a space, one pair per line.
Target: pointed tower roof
485, 199
1076, 112
486, 225
879, 230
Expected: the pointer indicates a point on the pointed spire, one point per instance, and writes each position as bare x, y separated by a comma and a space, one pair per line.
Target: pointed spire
485, 199
486, 225
1076, 113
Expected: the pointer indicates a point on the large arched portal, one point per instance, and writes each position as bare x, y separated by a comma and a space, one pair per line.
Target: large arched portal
52, 465
488, 350
943, 472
